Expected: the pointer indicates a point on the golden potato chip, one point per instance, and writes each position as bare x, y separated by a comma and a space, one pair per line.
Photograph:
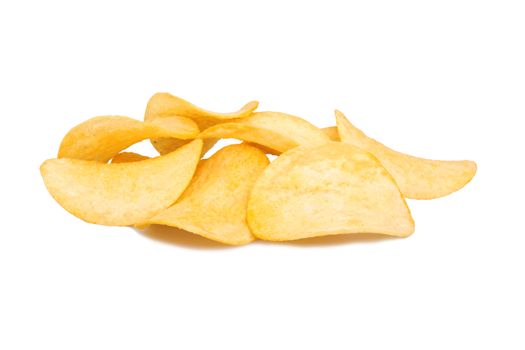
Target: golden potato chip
127, 157
276, 131
214, 204
326, 190
332, 133
101, 138
417, 178
120, 194
163, 105
166, 105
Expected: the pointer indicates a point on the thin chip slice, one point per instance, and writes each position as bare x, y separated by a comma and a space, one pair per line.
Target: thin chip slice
276, 131
417, 178
166, 105
214, 204
330, 189
120, 194
162, 105
128, 157
101, 138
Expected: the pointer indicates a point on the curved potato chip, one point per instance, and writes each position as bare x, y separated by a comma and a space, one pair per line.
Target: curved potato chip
214, 204
120, 194
277, 131
332, 133
326, 190
417, 178
163, 105
101, 138
128, 157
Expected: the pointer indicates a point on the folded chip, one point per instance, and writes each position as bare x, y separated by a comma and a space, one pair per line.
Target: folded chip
101, 138
214, 204
121, 194
323, 190
277, 132
417, 178
162, 105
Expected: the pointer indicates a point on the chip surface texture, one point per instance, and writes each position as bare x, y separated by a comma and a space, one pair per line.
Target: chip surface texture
325, 190
122, 193
214, 204
417, 178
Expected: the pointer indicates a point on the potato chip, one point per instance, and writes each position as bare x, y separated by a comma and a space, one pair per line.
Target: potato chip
417, 178
101, 138
120, 194
166, 105
127, 157
332, 133
214, 204
163, 105
326, 190
277, 131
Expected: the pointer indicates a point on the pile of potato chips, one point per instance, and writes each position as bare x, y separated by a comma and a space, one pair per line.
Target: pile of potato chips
323, 182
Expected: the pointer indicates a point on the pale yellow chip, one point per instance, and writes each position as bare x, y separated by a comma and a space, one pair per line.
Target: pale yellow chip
276, 131
330, 189
101, 138
417, 178
120, 194
162, 105
214, 204
127, 157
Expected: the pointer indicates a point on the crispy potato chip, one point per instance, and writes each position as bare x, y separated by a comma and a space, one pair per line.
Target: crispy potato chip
326, 190
101, 138
332, 133
276, 131
127, 157
417, 178
162, 105
166, 105
120, 194
214, 204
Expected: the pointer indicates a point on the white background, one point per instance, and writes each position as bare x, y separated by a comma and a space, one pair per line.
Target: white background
439, 79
